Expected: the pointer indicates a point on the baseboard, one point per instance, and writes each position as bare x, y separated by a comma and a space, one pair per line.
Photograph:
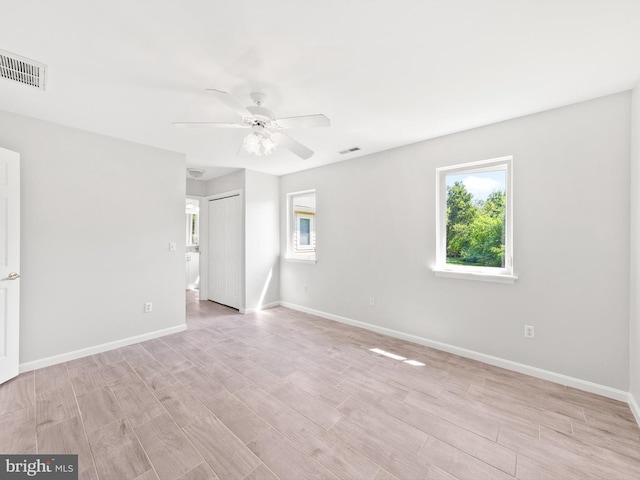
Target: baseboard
83, 352
481, 357
635, 409
258, 308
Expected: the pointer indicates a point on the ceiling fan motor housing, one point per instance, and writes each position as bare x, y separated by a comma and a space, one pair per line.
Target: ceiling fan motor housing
261, 116
261, 112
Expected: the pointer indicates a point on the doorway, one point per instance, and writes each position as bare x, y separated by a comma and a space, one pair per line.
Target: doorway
192, 244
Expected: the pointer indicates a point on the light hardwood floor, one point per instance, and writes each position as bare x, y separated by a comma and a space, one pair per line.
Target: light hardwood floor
282, 394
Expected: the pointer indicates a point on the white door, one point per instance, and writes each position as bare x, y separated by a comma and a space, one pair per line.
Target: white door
225, 247
9, 263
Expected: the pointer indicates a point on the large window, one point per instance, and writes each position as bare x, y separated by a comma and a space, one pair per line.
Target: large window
302, 225
474, 226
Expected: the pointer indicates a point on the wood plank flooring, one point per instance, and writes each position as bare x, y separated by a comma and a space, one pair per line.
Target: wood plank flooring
284, 395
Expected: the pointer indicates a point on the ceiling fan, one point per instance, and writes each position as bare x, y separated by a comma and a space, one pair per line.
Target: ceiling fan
265, 136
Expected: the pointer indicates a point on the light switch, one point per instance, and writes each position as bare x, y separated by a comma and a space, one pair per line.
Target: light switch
172, 246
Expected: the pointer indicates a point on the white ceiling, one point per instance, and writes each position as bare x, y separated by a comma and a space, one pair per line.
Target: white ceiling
387, 73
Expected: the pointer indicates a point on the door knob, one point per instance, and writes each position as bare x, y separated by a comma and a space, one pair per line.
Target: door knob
13, 276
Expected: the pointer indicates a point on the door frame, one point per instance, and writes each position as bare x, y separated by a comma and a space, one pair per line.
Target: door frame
204, 244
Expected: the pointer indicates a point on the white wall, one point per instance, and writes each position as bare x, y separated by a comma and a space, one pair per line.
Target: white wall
97, 217
196, 188
225, 183
376, 237
262, 240
634, 327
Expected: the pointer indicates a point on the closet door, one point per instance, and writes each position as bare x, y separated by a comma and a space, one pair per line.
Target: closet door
225, 246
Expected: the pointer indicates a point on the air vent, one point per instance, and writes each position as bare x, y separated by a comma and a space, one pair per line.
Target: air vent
349, 150
22, 70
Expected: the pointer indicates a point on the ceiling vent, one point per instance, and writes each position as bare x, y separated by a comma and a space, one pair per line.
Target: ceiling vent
349, 150
22, 70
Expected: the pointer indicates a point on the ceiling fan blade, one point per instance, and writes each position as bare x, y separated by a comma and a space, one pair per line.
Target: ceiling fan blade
208, 124
292, 145
304, 121
229, 101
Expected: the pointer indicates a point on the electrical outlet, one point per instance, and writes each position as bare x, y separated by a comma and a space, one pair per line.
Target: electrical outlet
529, 331
172, 246
305, 289
148, 307
372, 301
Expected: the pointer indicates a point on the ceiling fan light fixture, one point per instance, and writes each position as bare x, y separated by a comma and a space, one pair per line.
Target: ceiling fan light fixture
259, 143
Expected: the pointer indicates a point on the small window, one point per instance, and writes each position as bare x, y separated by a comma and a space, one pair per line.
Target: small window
302, 225
474, 233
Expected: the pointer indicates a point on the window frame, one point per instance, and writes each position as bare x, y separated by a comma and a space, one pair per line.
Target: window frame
295, 251
470, 272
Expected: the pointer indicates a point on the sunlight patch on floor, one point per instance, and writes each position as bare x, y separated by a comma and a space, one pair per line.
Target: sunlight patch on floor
396, 357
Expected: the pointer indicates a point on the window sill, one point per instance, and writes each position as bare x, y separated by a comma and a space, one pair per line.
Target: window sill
480, 277
300, 260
